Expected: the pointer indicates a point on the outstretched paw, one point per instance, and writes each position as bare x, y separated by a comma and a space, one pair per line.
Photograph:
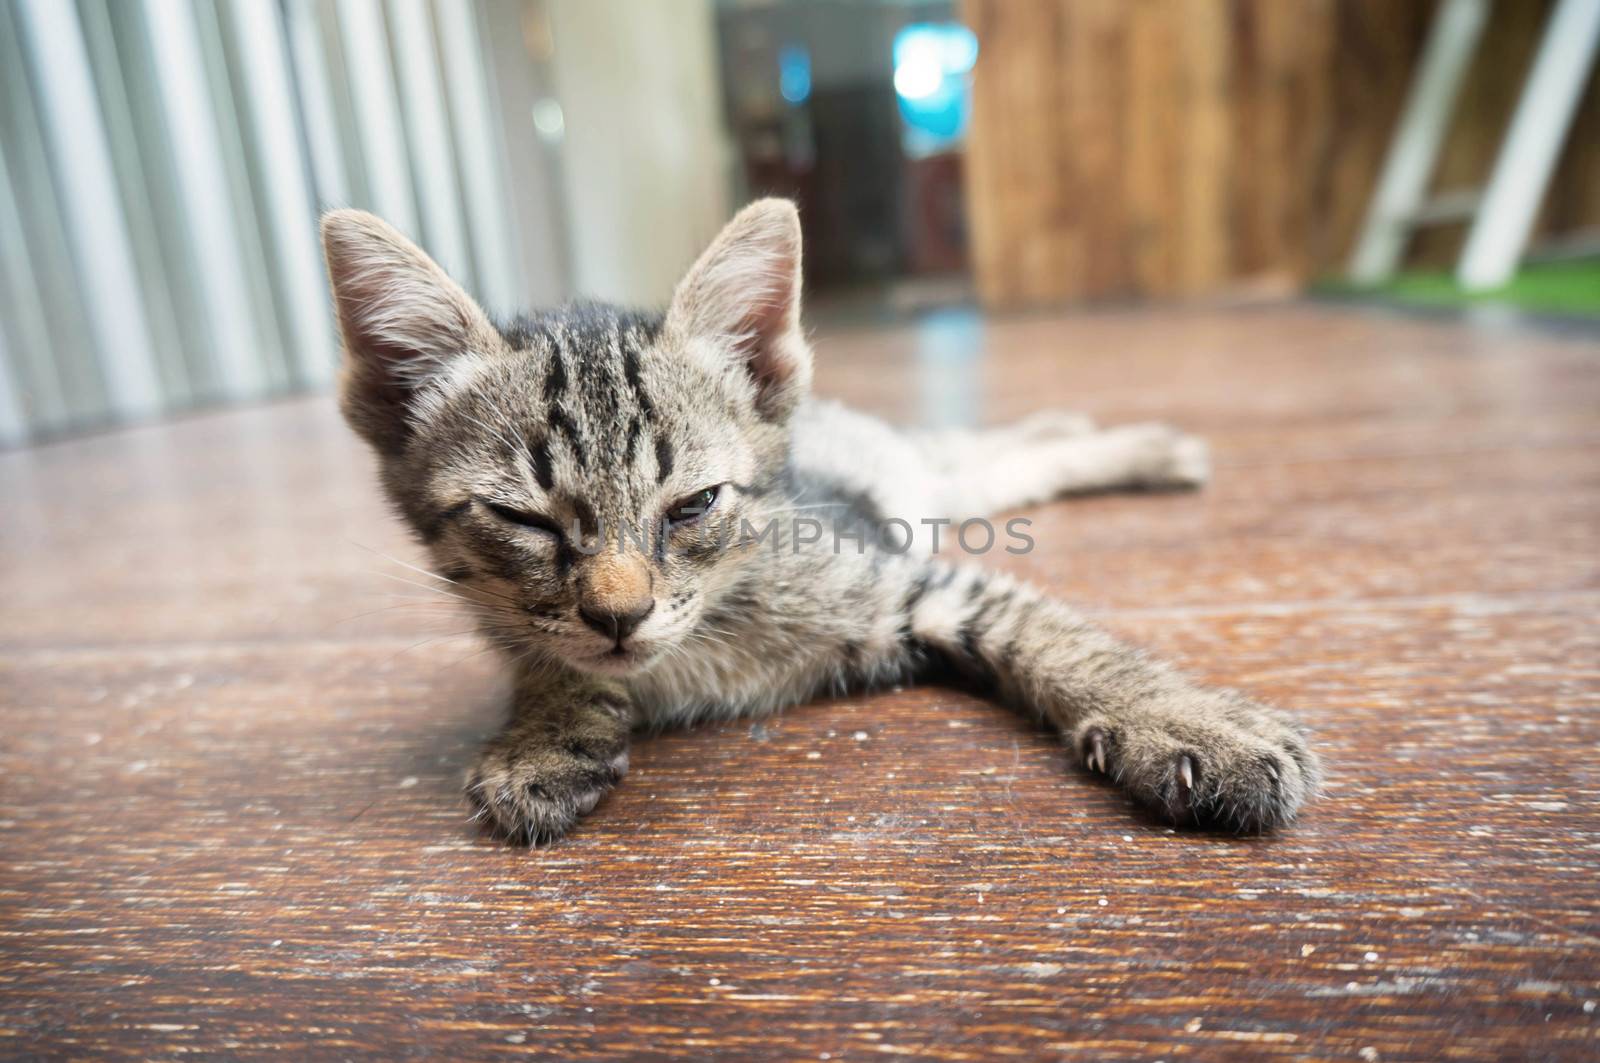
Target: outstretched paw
531, 789
1233, 765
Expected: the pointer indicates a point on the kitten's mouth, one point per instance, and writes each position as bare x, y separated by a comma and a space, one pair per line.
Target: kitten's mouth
620, 658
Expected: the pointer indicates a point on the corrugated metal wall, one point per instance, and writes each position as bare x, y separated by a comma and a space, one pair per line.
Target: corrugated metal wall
162, 164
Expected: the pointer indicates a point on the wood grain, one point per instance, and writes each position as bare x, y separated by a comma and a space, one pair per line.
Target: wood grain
1126, 148
229, 813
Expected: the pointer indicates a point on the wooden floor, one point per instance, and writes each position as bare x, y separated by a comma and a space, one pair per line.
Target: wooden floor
231, 748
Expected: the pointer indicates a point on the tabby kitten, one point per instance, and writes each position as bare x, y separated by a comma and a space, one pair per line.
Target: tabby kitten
685, 438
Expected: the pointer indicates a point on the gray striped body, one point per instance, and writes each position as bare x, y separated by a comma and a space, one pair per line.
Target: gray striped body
510, 450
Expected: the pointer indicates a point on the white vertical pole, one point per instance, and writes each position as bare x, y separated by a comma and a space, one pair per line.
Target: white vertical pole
489, 208
316, 104
93, 213
31, 347
265, 56
203, 181
13, 424
1414, 147
366, 49
432, 152
1528, 155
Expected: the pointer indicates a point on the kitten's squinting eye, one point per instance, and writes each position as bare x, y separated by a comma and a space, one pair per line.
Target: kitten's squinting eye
688, 510
523, 517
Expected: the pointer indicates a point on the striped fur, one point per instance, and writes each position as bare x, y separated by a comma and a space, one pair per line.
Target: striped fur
507, 450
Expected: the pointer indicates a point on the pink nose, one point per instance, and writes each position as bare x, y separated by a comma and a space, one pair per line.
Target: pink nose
614, 625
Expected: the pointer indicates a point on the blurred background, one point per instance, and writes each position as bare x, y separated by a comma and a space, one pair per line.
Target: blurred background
162, 163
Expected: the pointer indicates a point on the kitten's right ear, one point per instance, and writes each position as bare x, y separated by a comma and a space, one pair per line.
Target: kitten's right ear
402, 318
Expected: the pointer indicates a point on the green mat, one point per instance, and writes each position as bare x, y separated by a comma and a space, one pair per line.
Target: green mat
1567, 287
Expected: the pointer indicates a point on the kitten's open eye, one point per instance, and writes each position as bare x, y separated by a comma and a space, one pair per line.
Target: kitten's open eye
514, 515
688, 510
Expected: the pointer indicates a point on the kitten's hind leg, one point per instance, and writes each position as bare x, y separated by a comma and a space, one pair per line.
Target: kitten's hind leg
983, 472
954, 450
1129, 456
565, 747
1048, 425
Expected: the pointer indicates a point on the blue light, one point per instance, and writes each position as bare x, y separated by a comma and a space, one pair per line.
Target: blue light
931, 64
794, 73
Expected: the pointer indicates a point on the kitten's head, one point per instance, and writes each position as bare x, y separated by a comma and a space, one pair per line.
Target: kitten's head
506, 449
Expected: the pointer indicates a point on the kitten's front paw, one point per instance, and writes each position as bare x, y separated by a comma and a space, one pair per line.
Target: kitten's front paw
1230, 765
532, 790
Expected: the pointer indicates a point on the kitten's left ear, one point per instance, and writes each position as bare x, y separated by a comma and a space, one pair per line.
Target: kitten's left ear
743, 294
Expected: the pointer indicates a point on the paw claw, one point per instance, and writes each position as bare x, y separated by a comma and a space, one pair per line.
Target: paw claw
1238, 767
1180, 805
1097, 752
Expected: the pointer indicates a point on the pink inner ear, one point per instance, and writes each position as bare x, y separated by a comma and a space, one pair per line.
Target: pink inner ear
398, 310
760, 333
743, 294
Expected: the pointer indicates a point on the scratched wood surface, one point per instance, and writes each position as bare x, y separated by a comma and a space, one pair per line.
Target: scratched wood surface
231, 745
